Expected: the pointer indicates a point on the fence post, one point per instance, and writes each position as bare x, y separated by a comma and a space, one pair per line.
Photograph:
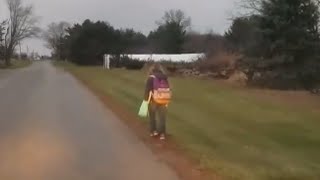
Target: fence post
106, 61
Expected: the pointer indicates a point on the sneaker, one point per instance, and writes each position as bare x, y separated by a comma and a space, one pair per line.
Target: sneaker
154, 134
162, 137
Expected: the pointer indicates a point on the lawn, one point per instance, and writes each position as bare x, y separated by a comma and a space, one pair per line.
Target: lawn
230, 130
16, 64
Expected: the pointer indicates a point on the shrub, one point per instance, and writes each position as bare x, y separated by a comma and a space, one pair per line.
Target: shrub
126, 62
278, 73
219, 62
133, 64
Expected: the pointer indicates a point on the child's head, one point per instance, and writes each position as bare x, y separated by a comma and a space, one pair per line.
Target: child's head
156, 67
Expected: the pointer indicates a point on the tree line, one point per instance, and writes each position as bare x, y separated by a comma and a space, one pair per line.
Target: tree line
86, 43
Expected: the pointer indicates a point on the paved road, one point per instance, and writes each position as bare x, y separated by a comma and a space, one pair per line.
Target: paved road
52, 128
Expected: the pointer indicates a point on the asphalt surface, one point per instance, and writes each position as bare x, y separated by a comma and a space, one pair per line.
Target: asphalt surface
53, 128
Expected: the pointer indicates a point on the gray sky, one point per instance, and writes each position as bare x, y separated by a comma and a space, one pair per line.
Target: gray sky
138, 14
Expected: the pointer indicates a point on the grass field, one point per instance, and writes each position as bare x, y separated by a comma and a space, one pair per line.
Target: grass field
16, 64
232, 131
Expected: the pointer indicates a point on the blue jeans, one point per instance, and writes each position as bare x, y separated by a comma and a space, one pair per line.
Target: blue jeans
157, 112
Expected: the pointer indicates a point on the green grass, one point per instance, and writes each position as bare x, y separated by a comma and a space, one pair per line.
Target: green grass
234, 133
16, 64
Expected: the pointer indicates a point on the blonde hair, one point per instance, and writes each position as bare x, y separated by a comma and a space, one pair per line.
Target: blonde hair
154, 67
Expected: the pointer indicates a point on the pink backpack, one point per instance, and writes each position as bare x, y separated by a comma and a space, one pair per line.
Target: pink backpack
161, 91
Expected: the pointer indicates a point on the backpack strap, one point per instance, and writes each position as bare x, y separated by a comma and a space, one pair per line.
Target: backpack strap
150, 96
150, 93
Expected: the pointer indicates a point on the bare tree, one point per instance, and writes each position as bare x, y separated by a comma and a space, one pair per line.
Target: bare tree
248, 8
254, 6
54, 36
2, 29
21, 24
318, 4
175, 16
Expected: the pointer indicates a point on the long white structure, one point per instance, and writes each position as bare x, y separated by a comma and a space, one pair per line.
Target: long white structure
167, 57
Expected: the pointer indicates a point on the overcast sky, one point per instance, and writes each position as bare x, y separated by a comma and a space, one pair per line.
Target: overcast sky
138, 14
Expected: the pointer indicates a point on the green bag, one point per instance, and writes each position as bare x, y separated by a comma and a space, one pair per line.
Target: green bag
144, 108
143, 112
